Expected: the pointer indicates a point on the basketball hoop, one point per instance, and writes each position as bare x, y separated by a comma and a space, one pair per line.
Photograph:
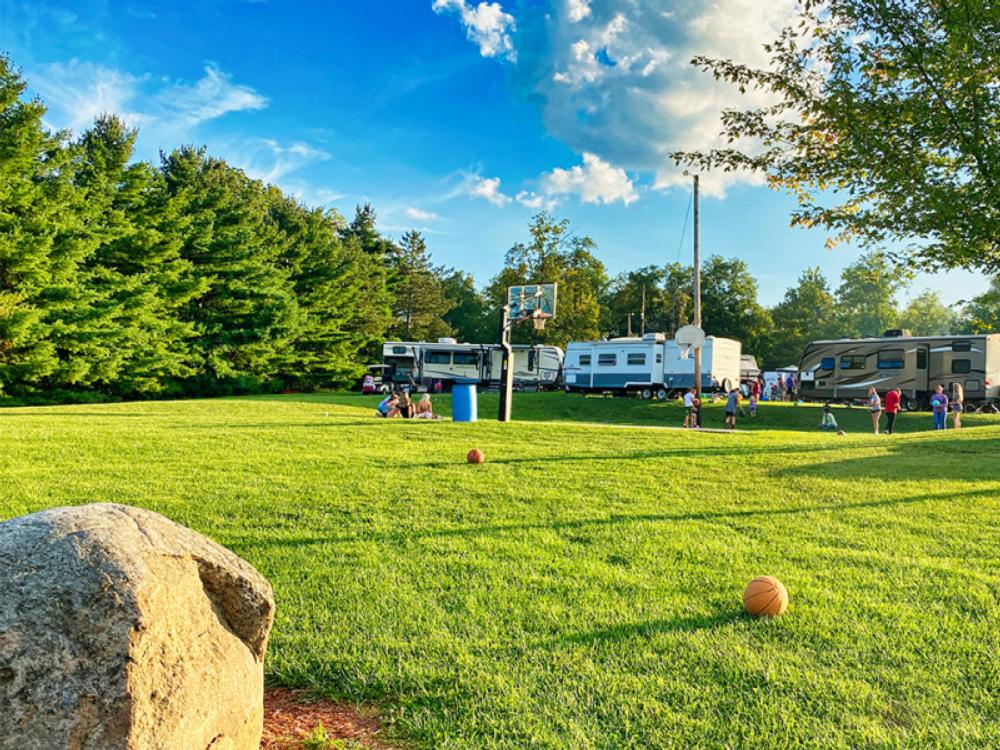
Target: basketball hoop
684, 349
538, 323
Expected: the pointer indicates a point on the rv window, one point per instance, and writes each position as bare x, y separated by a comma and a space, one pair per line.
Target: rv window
961, 346
891, 359
659, 359
921, 359
828, 363
584, 360
853, 362
637, 359
465, 358
961, 366
972, 385
606, 360
437, 358
399, 350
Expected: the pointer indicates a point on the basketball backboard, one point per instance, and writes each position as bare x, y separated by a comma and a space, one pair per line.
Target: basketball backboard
689, 337
534, 301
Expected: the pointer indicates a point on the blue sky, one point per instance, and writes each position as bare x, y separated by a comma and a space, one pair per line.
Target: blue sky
457, 117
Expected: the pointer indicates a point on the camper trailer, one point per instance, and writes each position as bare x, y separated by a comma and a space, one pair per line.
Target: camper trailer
844, 369
421, 363
648, 366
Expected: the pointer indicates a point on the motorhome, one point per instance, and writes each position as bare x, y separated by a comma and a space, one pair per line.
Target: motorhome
649, 366
844, 369
446, 362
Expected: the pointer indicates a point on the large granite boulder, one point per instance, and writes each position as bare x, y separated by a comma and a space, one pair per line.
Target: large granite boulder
121, 630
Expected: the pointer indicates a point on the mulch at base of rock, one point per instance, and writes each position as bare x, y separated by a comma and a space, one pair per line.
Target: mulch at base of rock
292, 716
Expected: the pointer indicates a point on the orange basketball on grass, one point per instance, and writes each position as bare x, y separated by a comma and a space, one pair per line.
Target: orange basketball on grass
476, 456
765, 596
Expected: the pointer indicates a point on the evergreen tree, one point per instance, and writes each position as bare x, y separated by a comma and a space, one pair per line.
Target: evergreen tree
247, 314
42, 242
420, 301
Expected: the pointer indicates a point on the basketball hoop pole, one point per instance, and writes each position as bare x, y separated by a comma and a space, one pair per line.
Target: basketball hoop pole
506, 371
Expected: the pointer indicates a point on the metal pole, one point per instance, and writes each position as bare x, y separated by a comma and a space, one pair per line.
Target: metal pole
697, 290
506, 371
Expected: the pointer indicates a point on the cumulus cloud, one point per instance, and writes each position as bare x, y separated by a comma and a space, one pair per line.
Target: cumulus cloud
486, 24
595, 181
616, 81
421, 215
487, 188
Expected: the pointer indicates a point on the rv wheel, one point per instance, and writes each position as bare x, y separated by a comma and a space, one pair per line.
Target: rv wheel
971, 408
646, 393
661, 394
910, 404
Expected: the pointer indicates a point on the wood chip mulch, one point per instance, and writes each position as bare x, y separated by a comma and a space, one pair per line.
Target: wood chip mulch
290, 716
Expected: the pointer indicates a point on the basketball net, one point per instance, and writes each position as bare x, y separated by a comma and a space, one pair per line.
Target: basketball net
538, 323
684, 349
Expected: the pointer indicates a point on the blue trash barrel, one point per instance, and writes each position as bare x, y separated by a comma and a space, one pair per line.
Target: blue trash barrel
463, 402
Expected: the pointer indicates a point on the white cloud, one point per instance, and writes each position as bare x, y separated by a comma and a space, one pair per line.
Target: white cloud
268, 160
487, 188
211, 96
531, 199
486, 24
577, 10
421, 215
617, 82
77, 92
595, 181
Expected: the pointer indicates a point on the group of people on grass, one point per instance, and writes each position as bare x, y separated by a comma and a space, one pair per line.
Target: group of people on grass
401, 405
692, 408
940, 405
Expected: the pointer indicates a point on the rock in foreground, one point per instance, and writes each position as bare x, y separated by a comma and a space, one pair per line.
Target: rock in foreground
121, 630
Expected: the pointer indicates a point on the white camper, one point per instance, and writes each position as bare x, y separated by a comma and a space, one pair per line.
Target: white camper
648, 366
422, 363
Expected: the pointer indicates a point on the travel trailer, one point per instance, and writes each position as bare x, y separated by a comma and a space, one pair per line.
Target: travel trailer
844, 369
648, 366
446, 362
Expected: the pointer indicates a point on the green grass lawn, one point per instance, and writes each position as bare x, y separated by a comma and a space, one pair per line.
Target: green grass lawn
582, 588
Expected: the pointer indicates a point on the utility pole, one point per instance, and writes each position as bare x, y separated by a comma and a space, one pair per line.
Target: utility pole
642, 316
630, 325
697, 290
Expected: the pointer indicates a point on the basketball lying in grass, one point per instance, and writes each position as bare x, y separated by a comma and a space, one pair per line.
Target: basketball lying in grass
476, 456
765, 596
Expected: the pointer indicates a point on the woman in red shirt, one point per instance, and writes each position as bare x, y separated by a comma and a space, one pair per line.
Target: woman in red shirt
892, 399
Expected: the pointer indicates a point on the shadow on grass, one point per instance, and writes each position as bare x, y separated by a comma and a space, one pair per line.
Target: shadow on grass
935, 456
626, 631
397, 537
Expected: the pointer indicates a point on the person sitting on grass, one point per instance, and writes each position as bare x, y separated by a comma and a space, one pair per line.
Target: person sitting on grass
406, 406
828, 421
388, 407
732, 405
424, 408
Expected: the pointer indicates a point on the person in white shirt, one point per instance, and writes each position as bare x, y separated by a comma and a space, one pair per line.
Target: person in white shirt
689, 416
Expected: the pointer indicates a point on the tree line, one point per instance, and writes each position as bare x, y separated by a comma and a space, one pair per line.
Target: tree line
122, 279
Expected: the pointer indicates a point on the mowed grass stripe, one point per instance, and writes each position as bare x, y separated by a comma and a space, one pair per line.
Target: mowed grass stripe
582, 588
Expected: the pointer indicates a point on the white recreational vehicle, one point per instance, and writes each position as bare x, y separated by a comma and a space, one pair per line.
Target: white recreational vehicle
648, 366
422, 363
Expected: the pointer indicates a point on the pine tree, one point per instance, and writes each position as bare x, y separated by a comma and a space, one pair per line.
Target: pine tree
419, 294
246, 316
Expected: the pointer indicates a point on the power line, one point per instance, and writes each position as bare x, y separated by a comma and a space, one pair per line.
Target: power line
687, 214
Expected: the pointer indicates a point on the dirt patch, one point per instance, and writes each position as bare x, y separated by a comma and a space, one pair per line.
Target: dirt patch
292, 716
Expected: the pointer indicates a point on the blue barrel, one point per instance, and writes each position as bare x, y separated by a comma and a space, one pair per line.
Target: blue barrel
463, 402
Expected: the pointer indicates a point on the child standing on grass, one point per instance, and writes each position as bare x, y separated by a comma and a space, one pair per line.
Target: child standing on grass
696, 402
732, 405
939, 406
957, 403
